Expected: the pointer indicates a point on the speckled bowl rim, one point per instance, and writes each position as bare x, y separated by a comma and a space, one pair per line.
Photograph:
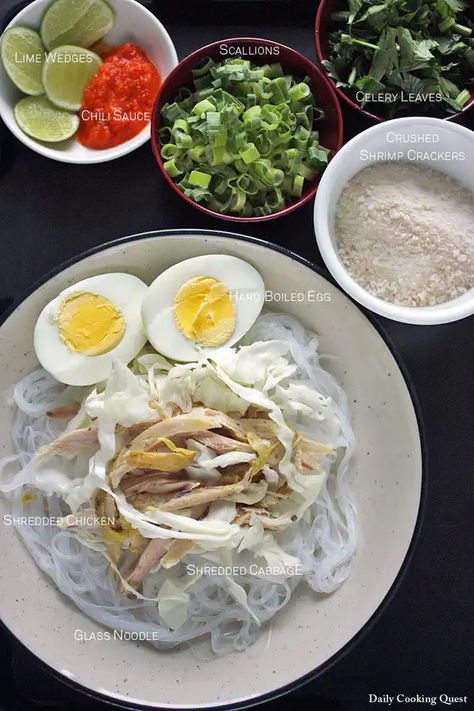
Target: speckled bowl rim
360, 635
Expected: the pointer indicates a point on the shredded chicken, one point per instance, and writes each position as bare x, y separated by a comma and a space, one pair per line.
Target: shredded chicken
138, 483
210, 493
160, 464
197, 512
135, 430
246, 515
242, 518
197, 420
148, 500
70, 444
161, 488
64, 413
149, 559
125, 435
221, 444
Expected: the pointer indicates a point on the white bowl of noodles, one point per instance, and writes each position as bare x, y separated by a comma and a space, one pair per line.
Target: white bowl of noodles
352, 541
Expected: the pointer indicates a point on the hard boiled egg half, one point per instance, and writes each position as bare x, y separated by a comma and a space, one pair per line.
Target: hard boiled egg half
86, 327
202, 304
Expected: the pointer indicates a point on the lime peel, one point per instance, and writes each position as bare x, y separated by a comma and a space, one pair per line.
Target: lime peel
66, 73
23, 56
76, 22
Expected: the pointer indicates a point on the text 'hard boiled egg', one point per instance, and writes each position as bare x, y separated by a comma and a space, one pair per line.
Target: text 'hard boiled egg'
201, 304
86, 327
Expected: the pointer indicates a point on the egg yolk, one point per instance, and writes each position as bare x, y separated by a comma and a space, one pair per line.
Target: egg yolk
90, 324
204, 311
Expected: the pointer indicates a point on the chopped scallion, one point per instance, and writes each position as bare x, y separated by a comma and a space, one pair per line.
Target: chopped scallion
244, 142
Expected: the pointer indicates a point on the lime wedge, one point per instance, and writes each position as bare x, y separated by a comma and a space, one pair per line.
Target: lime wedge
66, 72
23, 56
40, 119
79, 22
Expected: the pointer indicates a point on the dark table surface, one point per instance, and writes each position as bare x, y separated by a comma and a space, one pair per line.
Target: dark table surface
50, 211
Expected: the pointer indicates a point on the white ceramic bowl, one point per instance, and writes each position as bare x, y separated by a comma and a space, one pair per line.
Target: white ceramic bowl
312, 630
350, 160
133, 23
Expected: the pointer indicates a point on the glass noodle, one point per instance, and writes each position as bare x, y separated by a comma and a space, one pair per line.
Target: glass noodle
324, 541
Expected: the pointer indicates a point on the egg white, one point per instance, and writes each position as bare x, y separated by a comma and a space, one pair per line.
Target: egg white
243, 281
124, 291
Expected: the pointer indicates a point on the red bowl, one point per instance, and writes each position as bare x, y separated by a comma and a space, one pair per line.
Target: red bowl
322, 30
259, 51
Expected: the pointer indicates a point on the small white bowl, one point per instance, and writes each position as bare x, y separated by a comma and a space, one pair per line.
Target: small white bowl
133, 23
351, 159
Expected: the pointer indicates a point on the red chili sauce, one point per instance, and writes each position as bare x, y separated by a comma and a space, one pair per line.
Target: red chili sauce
119, 100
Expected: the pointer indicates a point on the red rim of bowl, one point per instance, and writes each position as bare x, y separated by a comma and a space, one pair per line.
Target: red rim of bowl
320, 17
305, 62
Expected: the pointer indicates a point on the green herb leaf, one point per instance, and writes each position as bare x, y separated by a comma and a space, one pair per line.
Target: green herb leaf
404, 46
386, 57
